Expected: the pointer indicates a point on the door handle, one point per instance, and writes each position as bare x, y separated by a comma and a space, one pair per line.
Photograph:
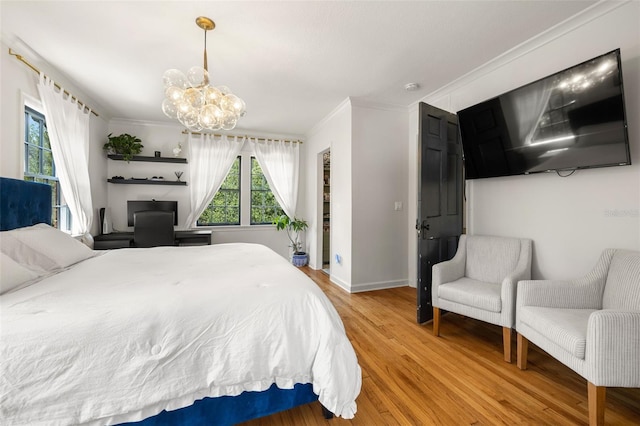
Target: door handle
421, 227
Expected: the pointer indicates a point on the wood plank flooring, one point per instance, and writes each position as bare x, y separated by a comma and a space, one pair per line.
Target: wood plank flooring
410, 377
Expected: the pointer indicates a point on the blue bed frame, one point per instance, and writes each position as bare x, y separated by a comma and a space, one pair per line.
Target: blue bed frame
25, 203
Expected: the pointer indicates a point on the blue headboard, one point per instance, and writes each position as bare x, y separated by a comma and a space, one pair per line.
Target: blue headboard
23, 203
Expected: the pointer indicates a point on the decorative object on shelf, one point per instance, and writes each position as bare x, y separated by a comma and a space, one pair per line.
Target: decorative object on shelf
194, 102
124, 144
156, 154
178, 175
294, 228
177, 150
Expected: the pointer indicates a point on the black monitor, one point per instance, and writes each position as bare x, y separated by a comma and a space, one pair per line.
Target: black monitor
142, 205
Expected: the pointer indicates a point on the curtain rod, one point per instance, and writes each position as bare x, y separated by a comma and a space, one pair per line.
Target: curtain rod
22, 59
184, 132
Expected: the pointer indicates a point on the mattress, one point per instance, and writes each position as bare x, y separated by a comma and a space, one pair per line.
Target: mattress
128, 333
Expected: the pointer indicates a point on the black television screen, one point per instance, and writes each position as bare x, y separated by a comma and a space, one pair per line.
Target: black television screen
570, 120
142, 205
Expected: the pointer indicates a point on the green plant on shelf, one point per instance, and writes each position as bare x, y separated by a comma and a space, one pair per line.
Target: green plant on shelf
124, 144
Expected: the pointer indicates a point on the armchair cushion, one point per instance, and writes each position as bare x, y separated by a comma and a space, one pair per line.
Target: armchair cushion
490, 259
470, 292
567, 328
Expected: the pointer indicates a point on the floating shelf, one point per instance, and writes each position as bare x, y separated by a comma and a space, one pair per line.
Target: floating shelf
146, 182
150, 159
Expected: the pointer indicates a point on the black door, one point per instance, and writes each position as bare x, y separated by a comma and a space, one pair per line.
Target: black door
439, 223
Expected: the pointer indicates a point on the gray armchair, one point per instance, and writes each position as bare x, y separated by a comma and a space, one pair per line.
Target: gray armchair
480, 281
591, 324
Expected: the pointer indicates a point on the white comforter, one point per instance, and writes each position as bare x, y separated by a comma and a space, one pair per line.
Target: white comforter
124, 335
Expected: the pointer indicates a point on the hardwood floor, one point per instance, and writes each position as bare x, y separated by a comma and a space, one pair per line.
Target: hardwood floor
410, 377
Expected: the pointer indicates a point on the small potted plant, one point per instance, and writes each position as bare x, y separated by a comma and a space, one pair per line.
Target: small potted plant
293, 228
124, 144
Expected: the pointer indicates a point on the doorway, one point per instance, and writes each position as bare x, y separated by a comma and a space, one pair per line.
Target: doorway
326, 212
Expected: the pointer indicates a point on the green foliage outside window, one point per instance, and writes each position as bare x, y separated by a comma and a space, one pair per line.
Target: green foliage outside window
224, 209
264, 207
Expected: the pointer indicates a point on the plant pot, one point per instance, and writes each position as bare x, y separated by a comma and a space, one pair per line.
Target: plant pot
299, 259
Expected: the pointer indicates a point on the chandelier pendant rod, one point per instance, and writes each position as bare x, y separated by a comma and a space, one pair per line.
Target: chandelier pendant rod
206, 62
207, 25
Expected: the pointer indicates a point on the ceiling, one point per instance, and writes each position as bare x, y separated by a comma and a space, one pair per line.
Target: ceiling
292, 62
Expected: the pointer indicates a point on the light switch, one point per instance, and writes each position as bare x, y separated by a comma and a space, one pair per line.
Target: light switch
398, 205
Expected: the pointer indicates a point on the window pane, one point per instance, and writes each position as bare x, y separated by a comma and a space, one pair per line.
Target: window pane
33, 130
224, 209
264, 207
33, 161
40, 167
47, 163
45, 138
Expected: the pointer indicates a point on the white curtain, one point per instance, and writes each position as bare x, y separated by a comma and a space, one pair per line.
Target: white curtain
279, 161
68, 126
209, 162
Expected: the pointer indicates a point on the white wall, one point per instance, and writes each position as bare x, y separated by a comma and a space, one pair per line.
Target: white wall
332, 132
571, 220
18, 82
379, 181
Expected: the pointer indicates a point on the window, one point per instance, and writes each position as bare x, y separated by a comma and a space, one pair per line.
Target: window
244, 197
40, 167
264, 207
224, 209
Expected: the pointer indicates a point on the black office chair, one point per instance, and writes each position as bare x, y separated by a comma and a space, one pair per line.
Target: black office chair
153, 228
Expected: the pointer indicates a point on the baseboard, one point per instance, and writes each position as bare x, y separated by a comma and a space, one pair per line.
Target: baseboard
382, 285
359, 288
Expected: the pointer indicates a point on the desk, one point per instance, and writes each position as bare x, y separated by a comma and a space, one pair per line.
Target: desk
117, 240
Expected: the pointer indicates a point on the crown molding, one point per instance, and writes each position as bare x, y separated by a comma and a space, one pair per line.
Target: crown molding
593, 12
316, 127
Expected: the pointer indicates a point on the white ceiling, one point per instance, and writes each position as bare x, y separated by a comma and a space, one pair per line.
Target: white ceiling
292, 62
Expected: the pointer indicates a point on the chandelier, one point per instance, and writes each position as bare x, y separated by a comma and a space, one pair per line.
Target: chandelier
194, 101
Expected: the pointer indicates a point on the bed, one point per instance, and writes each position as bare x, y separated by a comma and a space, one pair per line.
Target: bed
169, 335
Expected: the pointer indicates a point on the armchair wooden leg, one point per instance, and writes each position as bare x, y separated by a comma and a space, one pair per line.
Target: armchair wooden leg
523, 347
506, 342
436, 321
597, 401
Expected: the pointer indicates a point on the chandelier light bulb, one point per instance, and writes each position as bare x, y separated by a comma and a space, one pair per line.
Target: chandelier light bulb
197, 104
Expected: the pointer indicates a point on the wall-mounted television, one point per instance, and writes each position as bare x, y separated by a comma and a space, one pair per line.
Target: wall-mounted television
573, 119
143, 205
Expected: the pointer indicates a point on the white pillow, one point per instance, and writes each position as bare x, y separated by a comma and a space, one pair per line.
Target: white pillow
42, 247
12, 274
